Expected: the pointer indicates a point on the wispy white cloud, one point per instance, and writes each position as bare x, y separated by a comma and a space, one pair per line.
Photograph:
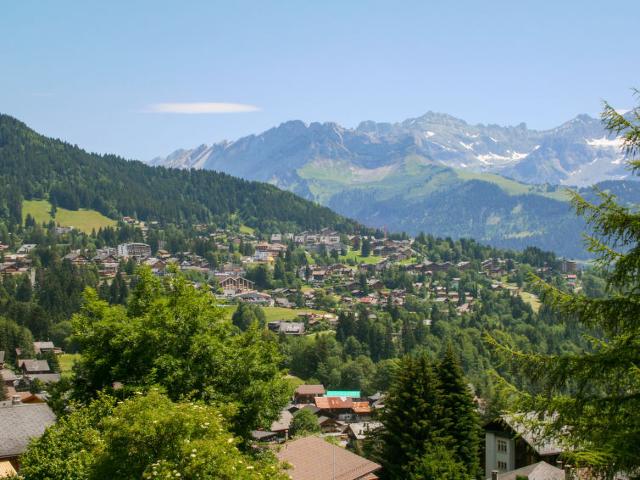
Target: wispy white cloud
201, 107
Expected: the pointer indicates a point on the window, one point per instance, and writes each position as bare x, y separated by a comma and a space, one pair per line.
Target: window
501, 445
502, 466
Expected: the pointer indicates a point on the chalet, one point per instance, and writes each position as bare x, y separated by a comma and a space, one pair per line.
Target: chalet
329, 426
305, 394
282, 426
233, 284
31, 366
107, 264
158, 266
45, 347
257, 298
510, 445
283, 302
264, 436
287, 328
19, 424
342, 406
27, 248
358, 431
312, 458
8, 377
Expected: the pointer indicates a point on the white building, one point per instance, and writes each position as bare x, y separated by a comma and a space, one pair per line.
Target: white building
138, 251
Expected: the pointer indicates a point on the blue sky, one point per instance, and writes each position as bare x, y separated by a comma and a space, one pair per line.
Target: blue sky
99, 74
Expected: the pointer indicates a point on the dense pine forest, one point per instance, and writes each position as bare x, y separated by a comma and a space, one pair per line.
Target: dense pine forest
36, 167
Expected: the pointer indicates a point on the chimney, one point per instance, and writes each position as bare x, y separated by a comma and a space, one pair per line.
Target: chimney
15, 400
494, 474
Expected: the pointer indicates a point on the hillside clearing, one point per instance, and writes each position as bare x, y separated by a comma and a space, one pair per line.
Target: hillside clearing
83, 220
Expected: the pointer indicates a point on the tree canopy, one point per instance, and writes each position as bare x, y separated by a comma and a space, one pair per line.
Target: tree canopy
173, 335
146, 436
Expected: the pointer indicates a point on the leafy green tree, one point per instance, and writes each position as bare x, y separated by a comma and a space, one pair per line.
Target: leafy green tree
174, 335
247, 314
304, 423
590, 399
146, 436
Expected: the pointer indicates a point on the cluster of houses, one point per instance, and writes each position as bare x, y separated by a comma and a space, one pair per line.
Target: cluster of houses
27, 371
344, 414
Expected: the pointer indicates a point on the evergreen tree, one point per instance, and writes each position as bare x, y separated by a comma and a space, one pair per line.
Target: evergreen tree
594, 396
366, 247
411, 418
460, 419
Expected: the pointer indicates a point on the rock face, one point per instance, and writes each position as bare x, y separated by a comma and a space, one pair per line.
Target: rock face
434, 173
579, 152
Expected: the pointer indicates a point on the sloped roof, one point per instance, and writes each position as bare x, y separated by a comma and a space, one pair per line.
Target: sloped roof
543, 445
283, 423
45, 345
310, 390
361, 407
8, 375
536, 471
312, 458
361, 429
32, 365
7, 470
20, 423
333, 402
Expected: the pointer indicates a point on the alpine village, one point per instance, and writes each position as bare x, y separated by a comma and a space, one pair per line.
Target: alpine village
164, 321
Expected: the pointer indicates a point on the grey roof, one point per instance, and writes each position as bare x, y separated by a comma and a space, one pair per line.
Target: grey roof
536, 471
361, 429
31, 365
532, 432
283, 423
46, 345
20, 423
8, 375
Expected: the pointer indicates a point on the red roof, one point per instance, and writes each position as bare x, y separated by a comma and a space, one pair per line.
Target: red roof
329, 403
361, 407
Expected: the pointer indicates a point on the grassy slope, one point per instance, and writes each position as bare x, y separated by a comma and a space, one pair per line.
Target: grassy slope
84, 220
358, 258
277, 313
67, 360
415, 177
514, 188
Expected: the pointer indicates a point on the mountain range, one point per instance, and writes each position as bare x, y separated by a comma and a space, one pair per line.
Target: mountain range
578, 152
435, 173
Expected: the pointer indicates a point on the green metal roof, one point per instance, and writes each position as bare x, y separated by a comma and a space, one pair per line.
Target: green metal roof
343, 393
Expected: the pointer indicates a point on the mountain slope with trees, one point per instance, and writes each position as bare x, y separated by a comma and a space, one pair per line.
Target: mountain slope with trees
36, 167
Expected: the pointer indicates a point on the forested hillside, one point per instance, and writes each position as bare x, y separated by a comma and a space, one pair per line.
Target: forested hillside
36, 167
